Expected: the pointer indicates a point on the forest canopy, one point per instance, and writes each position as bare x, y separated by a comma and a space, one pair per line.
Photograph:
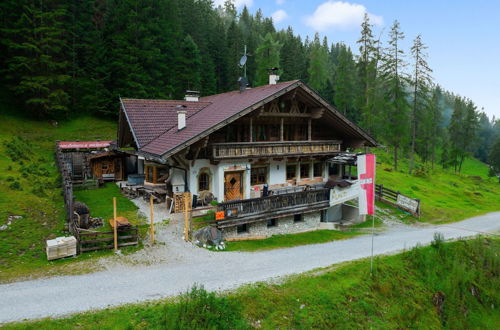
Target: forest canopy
61, 58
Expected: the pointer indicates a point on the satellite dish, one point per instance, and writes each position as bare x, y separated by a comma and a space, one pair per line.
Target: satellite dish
243, 60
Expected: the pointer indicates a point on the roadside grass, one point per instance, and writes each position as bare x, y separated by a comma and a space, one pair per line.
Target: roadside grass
446, 285
290, 240
30, 187
445, 196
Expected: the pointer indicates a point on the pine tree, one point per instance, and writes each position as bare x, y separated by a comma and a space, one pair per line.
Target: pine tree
345, 83
267, 57
421, 82
494, 159
189, 74
395, 108
36, 63
318, 65
367, 71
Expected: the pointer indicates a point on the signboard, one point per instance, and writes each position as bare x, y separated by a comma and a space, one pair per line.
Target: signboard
219, 215
341, 195
84, 144
366, 177
407, 203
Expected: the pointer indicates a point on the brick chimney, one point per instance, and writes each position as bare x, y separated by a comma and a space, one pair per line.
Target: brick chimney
192, 96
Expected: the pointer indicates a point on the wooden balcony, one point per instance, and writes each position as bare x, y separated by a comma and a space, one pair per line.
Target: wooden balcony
257, 209
272, 149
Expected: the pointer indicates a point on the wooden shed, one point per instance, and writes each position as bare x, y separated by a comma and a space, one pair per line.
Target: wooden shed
109, 166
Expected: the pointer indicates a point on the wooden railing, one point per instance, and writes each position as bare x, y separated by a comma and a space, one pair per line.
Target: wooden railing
278, 148
255, 209
397, 199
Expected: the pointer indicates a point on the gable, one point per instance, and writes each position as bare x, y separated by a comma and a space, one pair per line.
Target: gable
154, 122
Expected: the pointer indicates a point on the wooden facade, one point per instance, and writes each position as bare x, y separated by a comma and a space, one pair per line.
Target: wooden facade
108, 166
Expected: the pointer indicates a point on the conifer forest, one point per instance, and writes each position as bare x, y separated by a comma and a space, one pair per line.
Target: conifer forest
64, 58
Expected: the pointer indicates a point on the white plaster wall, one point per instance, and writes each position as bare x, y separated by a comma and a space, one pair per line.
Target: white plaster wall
194, 171
277, 172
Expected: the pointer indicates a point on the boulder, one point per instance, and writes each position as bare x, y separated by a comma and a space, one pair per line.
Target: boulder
209, 237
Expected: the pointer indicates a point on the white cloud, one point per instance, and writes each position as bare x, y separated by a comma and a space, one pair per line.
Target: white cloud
238, 3
339, 15
280, 2
279, 15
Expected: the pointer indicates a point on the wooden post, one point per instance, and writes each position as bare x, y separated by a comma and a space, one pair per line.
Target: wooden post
309, 129
282, 128
186, 216
251, 130
115, 232
152, 225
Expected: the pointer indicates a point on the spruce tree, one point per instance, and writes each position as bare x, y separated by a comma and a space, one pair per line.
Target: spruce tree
394, 81
318, 65
36, 63
189, 74
421, 82
267, 56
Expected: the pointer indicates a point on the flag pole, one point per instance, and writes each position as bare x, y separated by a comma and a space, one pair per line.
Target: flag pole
373, 234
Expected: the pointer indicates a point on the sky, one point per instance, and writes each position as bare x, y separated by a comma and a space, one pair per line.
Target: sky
463, 36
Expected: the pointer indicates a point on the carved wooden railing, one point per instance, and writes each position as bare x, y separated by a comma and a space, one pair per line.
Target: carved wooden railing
278, 148
254, 209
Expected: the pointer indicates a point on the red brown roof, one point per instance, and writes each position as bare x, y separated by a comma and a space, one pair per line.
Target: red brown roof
150, 118
154, 122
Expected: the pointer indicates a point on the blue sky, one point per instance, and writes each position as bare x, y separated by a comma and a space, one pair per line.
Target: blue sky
463, 36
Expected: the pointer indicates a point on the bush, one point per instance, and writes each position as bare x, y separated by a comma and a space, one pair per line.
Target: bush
199, 309
18, 148
15, 186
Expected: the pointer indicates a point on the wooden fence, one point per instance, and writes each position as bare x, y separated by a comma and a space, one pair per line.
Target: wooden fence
97, 240
88, 240
397, 199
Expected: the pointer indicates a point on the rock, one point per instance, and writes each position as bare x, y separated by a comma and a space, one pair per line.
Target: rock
4, 227
209, 236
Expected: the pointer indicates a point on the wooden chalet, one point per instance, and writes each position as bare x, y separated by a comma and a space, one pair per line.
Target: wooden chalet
262, 153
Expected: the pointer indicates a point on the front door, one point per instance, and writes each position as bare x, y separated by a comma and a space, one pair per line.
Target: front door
233, 186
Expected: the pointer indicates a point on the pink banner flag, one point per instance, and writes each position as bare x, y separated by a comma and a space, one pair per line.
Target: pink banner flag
366, 175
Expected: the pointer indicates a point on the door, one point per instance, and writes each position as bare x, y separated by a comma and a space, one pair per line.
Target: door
233, 186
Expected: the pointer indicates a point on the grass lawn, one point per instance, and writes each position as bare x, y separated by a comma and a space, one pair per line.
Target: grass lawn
290, 240
445, 195
406, 291
29, 186
100, 203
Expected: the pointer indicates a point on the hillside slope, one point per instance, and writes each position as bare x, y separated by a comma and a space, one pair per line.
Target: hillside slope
445, 196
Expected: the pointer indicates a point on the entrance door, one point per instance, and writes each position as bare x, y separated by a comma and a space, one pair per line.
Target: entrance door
233, 186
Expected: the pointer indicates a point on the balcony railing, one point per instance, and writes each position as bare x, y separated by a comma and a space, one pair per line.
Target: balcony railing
270, 149
255, 209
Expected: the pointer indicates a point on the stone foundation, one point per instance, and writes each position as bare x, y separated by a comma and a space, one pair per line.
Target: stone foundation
285, 225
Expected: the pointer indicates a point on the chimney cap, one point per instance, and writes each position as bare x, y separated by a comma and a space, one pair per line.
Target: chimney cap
192, 96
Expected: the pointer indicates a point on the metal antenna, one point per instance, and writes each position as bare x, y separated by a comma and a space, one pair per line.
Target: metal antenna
243, 61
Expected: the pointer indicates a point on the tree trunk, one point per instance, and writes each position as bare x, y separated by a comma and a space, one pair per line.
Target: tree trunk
395, 158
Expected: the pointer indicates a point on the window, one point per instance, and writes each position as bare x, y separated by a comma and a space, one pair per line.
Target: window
304, 171
291, 172
298, 218
271, 222
203, 182
258, 175
334, 169
318, 169
240, 229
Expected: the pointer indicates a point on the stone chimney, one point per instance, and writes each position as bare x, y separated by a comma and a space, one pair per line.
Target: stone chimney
192, 96
181, 119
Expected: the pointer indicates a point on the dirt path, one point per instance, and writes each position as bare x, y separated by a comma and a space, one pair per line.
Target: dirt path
175, 266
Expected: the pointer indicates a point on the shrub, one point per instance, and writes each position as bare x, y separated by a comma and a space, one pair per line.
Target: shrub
438, 240
18, 148
15, 186
199, 309
214, 203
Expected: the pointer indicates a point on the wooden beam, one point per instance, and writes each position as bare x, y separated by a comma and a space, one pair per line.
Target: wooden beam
281, 129
309, 129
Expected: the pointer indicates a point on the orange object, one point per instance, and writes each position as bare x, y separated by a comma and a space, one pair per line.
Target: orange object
121, 221
219, 215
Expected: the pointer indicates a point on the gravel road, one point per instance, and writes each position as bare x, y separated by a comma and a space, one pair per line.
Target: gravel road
128, 282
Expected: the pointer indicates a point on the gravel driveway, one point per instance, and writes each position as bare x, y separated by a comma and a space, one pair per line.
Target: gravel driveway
176, 266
